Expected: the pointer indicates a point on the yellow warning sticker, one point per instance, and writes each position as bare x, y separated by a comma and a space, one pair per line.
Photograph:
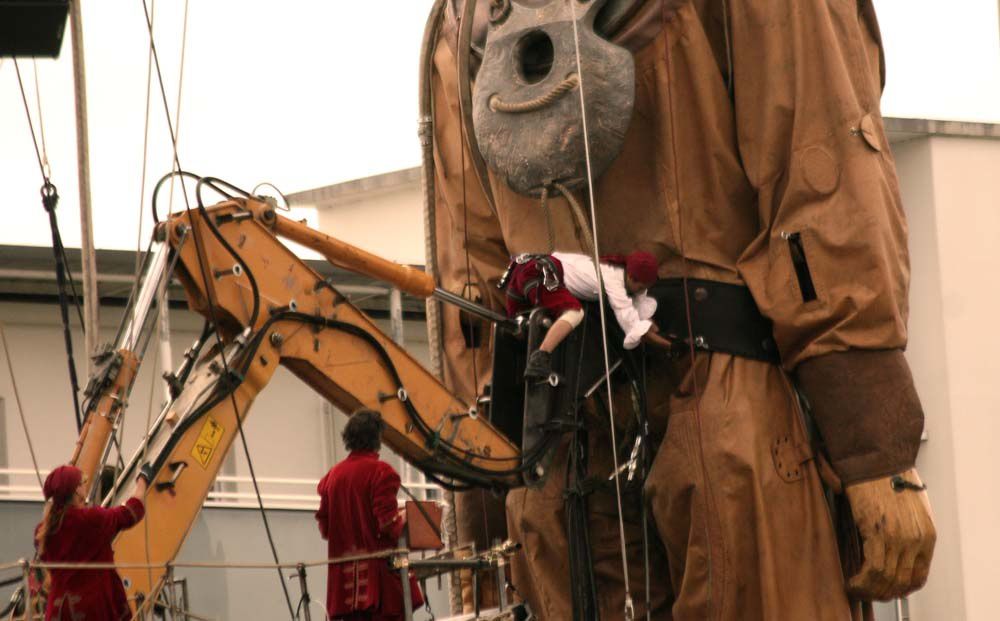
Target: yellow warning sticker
208, 439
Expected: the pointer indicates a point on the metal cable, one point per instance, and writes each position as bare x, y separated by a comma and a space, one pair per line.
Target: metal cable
468, 259
20, 409
629, 606
145, 157
177, 113
31, 126
338, 560
468, 271
709, 492
50, 198
211, 302
41, 123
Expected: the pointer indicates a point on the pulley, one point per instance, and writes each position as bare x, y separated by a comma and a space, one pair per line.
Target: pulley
527, 104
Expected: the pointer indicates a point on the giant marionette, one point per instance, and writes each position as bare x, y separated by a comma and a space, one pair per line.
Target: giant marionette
740, 142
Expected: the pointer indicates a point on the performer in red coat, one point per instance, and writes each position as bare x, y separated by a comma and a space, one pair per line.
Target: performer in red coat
358, 513
71, 532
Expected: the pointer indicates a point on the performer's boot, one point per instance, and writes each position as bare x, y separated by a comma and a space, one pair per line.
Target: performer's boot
539, 365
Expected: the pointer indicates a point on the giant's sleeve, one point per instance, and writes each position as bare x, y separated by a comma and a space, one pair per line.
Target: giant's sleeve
830, 264
385, 488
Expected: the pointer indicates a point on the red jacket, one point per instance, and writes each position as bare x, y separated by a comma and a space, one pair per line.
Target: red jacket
358, 513
85, 536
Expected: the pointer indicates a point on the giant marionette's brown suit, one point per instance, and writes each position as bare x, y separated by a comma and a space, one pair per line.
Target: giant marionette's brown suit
725, 166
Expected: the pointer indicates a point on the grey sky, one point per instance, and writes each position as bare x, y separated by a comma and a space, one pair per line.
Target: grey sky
304, 94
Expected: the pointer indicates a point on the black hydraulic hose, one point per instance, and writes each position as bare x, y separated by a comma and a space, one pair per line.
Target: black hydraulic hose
454, 467
421, 423
214, 183
50, 198
164, 179
210, 181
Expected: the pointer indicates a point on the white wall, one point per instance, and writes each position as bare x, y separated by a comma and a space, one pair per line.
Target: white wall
949, 188
389, 223
285, 430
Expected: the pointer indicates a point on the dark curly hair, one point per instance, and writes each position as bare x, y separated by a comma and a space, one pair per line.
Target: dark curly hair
363, 431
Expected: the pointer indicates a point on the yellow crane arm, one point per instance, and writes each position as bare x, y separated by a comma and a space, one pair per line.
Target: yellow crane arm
271, 308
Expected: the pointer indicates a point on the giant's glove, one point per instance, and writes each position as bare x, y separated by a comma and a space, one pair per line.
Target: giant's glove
893, 515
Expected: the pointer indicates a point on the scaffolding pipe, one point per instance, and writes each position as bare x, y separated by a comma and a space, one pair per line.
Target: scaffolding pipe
396, 316
91, 316
166, 354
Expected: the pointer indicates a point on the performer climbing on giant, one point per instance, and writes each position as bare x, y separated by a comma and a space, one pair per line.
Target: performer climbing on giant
558, 282
741, 141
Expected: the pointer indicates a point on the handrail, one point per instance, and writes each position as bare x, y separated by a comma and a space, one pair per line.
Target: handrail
217, 498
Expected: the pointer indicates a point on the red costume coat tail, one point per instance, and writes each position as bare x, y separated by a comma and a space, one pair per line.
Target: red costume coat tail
359, 514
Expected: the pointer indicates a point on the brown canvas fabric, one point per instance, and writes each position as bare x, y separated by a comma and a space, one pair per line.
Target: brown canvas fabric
781, 180
738, 502
857, 384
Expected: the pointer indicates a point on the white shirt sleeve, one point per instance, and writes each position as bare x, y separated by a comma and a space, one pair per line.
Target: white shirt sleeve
632, 315
644, 304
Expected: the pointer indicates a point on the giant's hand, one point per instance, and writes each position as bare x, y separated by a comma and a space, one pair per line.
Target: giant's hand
898, 534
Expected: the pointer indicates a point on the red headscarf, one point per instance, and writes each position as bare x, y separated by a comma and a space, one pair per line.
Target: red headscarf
61, 484
640, 265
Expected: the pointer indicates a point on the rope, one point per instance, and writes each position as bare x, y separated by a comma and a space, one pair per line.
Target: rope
338, 560
709, 492
31, 126
581, 219
139, 238
145, 158
41, 124
177, 114
20, 409
138, 265
211, 303
629, 606
50, 198
498, 105
548, 218
468, 277
468, 258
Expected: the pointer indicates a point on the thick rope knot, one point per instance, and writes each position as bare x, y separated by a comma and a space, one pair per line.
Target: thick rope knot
498, 105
